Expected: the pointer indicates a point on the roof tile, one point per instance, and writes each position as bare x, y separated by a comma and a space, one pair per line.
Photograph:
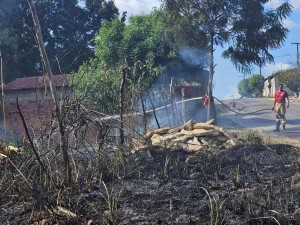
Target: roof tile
36, 82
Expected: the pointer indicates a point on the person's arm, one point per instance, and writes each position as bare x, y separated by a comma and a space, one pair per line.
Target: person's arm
288, 101
274, 101
274, 104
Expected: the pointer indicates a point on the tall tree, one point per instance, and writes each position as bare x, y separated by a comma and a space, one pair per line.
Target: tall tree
246, 26
68, 30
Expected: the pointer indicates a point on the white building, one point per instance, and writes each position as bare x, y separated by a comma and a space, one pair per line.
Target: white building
271, 85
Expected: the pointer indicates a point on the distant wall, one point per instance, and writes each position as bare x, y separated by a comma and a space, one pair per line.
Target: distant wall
34, 113
271, 85
35, 105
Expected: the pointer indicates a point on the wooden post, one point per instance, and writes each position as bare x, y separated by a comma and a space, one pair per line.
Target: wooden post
144, 115
124, 70
172, 101
3, 102
62, 144
183, 109
165, 104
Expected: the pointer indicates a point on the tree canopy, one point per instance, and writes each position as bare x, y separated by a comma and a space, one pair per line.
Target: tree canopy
250, 85
68, 30
256, 83
249, 30
145, 41
243, 87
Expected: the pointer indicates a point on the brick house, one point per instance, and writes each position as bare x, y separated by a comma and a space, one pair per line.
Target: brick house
35, 101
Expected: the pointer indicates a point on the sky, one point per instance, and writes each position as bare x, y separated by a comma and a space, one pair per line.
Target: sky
226, 77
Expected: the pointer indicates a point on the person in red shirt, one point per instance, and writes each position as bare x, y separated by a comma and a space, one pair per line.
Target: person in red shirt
206, 100
280, 98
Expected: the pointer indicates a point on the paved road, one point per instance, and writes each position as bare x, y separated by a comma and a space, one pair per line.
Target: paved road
263, 121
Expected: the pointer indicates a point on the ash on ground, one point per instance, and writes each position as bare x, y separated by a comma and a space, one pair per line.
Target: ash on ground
220, 181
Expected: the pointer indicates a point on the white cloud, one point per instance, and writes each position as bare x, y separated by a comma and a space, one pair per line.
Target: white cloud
275, 3
134, 7
295, 4
271, 68
289, 23
233, 93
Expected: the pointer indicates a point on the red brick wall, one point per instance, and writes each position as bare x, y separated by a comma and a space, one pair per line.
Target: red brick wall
33, 112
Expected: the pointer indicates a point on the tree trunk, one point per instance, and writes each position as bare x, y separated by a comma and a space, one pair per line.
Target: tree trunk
62, 143
153, 108
211, 110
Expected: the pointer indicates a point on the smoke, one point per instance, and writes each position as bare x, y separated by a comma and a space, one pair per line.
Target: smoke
233, 94
194, 56
188, 68
193, 109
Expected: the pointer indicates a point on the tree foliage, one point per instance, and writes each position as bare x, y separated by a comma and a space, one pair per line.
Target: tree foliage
68, 30
145, 42
243, 87
250, 85
256, 83
142, 39
100, 84
142, 42
291, 78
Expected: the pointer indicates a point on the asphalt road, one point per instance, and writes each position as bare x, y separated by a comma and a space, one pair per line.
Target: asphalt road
263, 121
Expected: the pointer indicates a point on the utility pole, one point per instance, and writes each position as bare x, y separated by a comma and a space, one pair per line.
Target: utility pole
297, 43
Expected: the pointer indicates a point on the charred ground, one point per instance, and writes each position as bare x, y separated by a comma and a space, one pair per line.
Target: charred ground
246, 184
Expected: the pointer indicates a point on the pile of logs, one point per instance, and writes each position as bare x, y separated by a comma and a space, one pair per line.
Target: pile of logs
192, 137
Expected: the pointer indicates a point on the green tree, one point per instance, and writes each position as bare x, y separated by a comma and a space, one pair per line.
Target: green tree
291, 78
99, 84
68, 30
256, 83
246, 26
243, 87
142, 40
145, 42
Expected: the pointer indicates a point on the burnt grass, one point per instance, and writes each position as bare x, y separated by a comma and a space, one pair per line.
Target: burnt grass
247, 184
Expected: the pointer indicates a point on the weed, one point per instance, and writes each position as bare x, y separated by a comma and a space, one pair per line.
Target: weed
238, 174
251, 137
111, 199
266, 217
166, 167
217, 214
